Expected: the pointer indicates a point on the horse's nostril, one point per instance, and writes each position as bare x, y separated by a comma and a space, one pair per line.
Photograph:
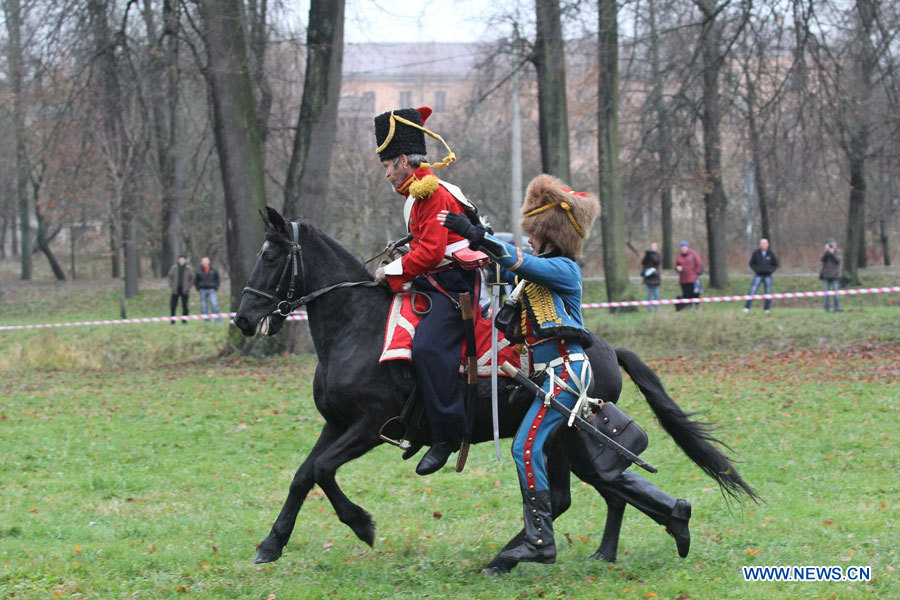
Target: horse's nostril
242, 322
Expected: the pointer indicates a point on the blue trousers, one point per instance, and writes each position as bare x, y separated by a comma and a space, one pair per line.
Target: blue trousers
436, 355
833, 284
757, 279
537, 426
209, 302
652, 294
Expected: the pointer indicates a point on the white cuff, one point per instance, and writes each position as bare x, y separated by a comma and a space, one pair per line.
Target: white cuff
394, 268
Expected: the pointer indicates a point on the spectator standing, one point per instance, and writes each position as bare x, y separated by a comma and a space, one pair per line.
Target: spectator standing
831, 272
207, 282
650, 272
763, 262
181, 278
689, 267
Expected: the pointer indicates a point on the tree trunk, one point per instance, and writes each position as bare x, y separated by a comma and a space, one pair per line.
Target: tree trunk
306, 187
122, 153
664, 141
857, 145
16, 73
612, 220
164, 102
237, 138
550, 64
41, 237
885, 242
258, 30
714, 194
756, 150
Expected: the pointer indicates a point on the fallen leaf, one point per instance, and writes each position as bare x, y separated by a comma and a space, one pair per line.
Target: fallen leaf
649, 595
77, 549
271, 597
436, 515
683, 597
827, 522
327, 545
751, 551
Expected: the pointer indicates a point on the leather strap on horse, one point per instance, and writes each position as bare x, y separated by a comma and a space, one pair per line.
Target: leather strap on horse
465, 306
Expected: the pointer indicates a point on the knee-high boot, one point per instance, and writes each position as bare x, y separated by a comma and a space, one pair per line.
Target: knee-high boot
672, 513
538, 545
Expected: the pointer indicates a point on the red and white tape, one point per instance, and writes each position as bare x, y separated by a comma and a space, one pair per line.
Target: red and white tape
879, 290
303, 317
293, 317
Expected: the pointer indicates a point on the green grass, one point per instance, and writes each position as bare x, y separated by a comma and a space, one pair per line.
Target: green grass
136, 461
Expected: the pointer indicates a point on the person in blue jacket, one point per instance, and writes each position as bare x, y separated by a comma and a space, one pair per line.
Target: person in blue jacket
550, 325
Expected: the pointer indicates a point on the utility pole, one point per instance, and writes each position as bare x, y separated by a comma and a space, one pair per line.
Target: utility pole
516, 154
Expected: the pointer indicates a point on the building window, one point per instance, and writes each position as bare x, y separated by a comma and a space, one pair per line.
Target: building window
440, 100
405, 99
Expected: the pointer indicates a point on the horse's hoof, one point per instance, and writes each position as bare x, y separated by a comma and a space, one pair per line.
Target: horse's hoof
498, 567
493, 571
598, 555
266, 556
367, 532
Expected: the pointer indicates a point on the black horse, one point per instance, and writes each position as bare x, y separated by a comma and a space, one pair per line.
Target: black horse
356, 395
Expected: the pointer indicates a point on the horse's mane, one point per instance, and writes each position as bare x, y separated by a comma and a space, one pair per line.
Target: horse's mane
309, 231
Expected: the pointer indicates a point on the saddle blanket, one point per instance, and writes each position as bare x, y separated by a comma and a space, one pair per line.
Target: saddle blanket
401, 329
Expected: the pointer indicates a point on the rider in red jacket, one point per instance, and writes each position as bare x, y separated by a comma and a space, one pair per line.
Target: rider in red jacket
437, 345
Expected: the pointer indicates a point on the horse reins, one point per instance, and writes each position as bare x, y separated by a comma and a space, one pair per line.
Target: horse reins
294, 265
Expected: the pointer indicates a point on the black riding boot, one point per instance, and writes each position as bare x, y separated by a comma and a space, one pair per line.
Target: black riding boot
436, 457
673, 513
538, 545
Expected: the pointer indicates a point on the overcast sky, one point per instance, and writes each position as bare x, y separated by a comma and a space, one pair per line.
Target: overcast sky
419, 20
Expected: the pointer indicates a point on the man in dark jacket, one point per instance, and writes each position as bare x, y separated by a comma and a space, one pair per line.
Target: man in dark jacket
650, 266
831, 272
181, 278
207, 281
764, 263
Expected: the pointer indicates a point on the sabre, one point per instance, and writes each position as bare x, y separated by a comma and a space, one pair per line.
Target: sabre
495, 308
392, 246
559, 407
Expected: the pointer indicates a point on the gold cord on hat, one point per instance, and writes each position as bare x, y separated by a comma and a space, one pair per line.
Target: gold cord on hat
390, 136
563, 205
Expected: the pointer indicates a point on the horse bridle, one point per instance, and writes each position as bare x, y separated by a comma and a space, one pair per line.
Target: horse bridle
294, 265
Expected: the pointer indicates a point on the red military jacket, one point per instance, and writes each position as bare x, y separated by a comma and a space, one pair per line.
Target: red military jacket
430, 238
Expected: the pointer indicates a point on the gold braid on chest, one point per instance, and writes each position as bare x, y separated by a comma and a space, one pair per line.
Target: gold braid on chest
540, 303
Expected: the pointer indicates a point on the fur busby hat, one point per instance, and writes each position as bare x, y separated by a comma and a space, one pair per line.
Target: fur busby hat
394, 137
554, 213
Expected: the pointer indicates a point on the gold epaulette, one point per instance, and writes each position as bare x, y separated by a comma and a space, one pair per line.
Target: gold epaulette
424, 188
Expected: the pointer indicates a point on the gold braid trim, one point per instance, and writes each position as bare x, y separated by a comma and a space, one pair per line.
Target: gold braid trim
563, 205
423, 188
540, 299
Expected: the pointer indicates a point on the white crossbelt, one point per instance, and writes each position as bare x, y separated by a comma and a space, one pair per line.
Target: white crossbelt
549, 367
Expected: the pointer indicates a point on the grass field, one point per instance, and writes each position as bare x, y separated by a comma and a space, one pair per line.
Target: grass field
136, 462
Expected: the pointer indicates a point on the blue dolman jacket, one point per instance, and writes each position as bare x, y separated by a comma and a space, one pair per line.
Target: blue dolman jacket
553, 295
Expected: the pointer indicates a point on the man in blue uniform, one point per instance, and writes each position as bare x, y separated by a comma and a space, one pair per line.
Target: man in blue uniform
550, 325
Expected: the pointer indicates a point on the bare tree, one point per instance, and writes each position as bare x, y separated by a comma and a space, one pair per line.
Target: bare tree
306, 185
615, 267
236, 135
14, 16
550, 63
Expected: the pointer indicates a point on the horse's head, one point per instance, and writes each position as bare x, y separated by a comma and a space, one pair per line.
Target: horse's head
276, 279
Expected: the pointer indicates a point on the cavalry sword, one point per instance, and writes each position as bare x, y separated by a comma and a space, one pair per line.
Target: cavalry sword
561, 408
495, 308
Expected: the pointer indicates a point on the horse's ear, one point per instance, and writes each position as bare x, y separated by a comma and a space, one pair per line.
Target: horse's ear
274, 219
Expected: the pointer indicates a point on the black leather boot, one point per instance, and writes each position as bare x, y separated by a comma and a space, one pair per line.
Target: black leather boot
436, 457
673, 513
538, 545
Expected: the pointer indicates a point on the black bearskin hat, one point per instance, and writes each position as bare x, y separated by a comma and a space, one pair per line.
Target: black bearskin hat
406, 139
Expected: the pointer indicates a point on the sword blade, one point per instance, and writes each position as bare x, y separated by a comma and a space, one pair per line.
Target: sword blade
495, 303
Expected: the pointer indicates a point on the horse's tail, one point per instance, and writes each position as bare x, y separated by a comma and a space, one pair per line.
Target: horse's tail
693, 437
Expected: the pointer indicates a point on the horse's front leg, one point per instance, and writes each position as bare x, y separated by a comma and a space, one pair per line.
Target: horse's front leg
358, 439
270, 548
609, 545
561, 499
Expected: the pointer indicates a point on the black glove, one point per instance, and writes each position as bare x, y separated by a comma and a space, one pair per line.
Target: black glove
460, 224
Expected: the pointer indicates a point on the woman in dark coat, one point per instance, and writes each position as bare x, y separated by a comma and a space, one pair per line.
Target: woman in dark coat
650, 266
831, 272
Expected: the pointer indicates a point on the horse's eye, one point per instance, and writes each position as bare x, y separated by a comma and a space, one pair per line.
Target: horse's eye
268, 258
